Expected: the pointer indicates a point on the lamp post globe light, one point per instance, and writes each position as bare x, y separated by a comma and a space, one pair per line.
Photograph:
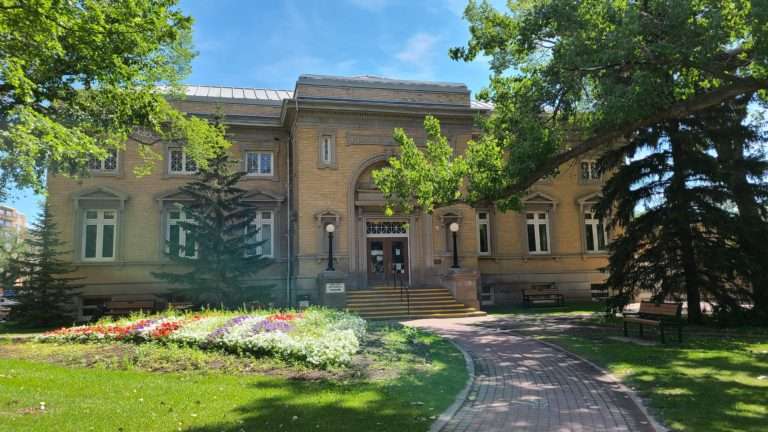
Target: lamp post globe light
330, 228
454, 227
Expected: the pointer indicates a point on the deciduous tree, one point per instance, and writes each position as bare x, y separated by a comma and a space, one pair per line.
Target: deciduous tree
571, 77
77, 77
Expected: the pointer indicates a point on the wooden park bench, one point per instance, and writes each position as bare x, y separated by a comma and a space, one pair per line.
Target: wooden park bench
125, 305
659, 315
547, 294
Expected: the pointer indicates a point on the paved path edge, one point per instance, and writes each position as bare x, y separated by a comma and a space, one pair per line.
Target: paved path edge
449, 412
611, 377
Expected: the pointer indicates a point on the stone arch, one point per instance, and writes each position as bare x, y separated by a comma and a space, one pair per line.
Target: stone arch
352, 226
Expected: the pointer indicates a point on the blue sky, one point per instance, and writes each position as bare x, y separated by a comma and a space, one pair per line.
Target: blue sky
270, 43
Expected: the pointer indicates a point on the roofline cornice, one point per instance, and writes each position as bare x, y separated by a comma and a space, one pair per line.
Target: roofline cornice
378, 106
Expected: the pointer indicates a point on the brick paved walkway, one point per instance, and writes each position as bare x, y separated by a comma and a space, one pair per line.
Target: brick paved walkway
524, 385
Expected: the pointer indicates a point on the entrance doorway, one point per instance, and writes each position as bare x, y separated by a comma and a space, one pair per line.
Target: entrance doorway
387, 260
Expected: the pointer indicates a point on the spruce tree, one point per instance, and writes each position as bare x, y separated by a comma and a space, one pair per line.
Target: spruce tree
739, 145
46, 295
679, 246
220, 249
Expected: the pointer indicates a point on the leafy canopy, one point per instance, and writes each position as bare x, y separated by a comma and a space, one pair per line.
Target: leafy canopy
570, 77
78, 77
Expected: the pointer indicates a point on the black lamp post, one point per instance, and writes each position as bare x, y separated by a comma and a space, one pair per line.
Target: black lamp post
330, 228
454, 227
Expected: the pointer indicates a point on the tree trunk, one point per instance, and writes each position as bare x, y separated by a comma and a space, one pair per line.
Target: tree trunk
680, 206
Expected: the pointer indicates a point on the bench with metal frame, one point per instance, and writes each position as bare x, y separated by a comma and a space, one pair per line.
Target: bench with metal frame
661, 315
545, 295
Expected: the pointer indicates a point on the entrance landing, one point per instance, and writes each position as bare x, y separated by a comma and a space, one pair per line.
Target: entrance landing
388, 303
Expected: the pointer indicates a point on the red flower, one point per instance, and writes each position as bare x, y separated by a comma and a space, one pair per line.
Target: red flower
284, 316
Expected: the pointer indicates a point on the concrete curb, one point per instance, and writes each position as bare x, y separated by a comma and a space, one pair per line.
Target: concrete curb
611, 377
448, 414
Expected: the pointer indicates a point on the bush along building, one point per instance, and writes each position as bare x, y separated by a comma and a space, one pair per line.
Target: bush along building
308, 155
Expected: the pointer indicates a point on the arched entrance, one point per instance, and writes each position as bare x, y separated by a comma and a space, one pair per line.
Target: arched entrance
384, 249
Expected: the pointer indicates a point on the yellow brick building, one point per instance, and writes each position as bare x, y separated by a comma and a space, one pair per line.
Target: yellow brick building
309, 154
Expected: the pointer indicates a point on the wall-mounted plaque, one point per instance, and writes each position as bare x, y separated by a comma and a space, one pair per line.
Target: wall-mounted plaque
334, 288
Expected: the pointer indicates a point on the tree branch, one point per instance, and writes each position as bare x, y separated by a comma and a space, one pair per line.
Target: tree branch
607, 136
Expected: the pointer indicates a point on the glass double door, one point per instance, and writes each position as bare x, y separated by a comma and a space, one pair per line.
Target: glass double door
387, 260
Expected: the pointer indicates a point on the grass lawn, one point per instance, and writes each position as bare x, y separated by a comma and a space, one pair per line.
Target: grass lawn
400, 382
566, 310
708, 384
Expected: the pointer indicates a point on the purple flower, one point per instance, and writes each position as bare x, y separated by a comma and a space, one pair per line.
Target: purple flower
223, 330
266, 326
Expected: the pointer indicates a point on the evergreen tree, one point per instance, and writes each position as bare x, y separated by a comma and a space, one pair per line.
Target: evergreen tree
46, 295
679, 247
743, 167
220, 246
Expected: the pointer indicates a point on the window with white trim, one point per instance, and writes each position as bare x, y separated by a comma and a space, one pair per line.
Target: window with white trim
589, 170
258, 163
537, 224
179, 240
179, 162
595, 236
484, 233
262, 243
108, 164
326, 149
99, 235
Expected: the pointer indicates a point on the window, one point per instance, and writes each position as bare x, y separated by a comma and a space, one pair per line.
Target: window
589, 170
180, 240
538, 232
108, 164
484, 233
262, 242
258, 163
595, 235
179, 162
326, 151
99, 235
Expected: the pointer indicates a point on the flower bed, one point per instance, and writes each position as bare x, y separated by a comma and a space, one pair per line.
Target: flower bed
319, 337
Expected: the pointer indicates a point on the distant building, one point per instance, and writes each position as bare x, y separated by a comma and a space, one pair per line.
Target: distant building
10, 218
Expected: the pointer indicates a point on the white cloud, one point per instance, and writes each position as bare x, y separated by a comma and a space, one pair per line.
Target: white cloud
418, 49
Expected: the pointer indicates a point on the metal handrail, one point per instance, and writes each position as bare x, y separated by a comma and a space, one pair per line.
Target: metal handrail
404, 288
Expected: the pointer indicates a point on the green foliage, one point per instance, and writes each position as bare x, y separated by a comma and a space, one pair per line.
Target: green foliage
686, 243
219, 229
421, 178
574, 77
78, 77
46, 295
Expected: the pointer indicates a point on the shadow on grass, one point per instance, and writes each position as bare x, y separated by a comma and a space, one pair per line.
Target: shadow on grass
705, 385
409, 403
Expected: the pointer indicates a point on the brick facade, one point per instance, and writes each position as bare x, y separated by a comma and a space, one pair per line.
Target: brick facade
355, 118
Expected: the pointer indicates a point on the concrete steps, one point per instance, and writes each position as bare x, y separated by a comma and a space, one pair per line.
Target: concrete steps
385, 303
